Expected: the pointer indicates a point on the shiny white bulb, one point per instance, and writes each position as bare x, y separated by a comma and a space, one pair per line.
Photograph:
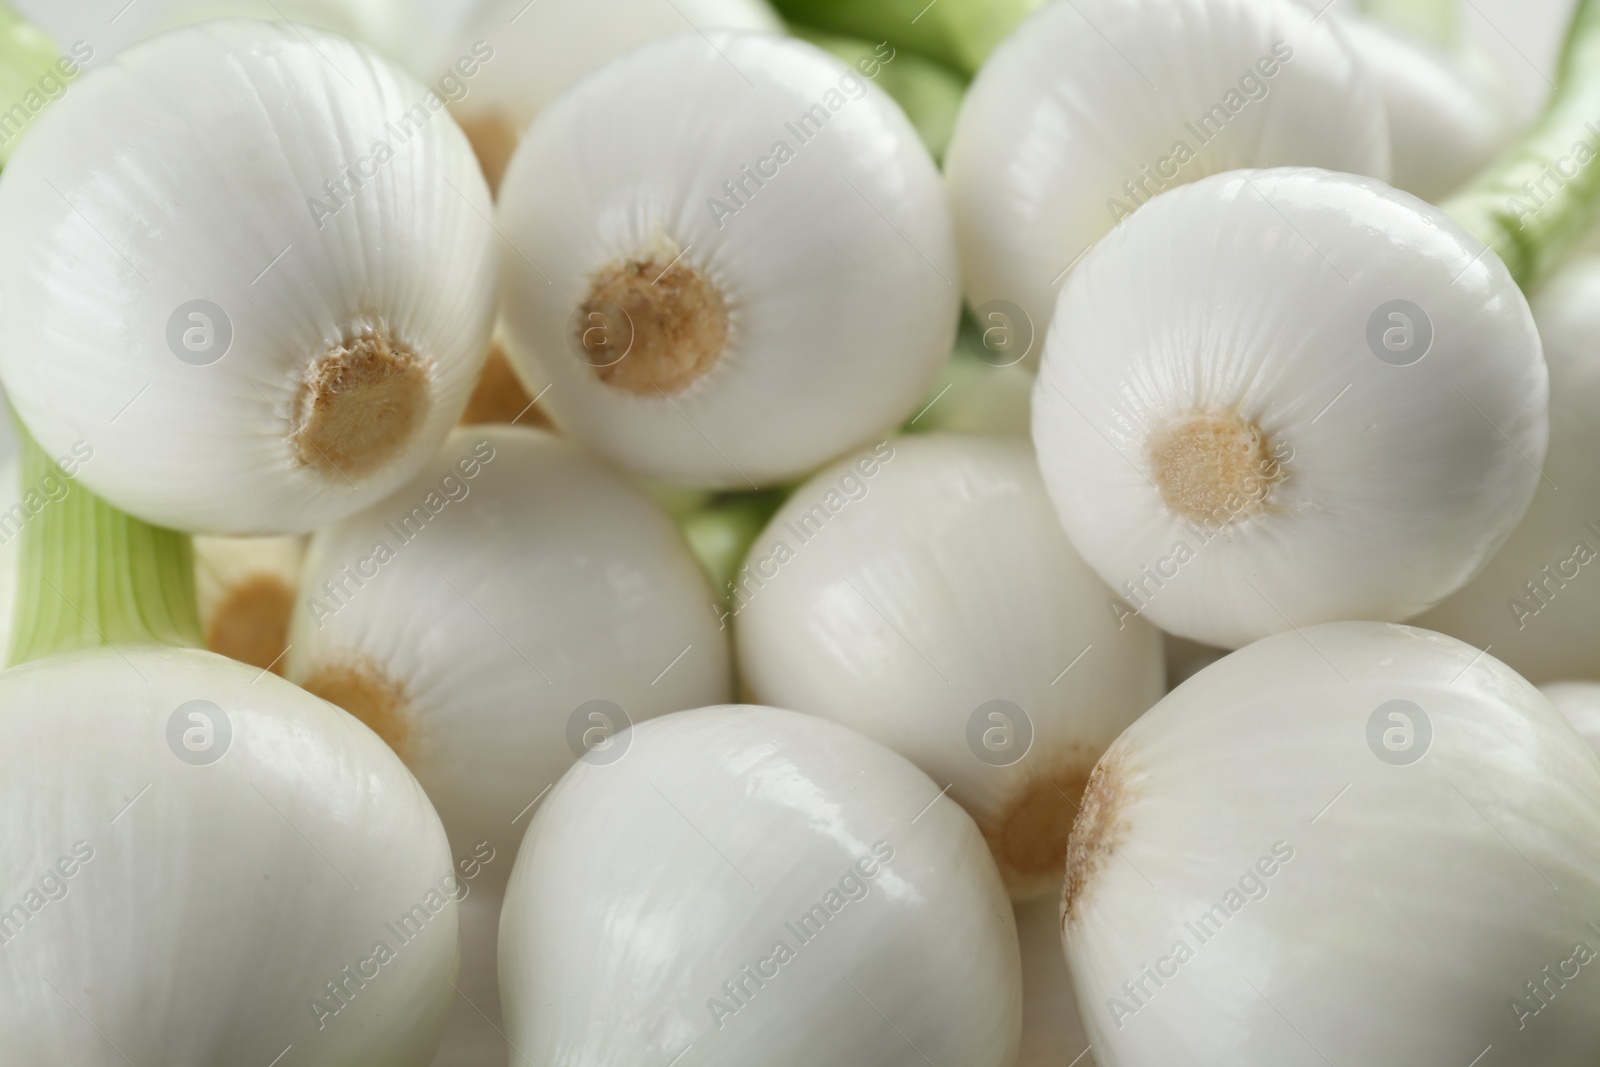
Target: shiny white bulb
1449, 110
747, 885
924, 594
1092, 107
505, 613
252, 265
1305, 833
543, 49
1276, 398
751, 272
207, 865
1536, 605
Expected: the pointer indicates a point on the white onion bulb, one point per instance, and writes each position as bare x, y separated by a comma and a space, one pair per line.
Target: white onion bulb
1449, 112
1580, 703
924, 594
505, 612
1537, 603
205, 865
213, 273
1091, 107
246, 587
1357, 821
1275, 398
750, 848
541, 50
655, 303
1052, 1033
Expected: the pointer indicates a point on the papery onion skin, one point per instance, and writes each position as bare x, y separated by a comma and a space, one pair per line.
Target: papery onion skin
1261, 300
619, 930
219, 899
1088, 95
923, 593
197, 166
1349, 799
545, 589
848, 325
1536, 605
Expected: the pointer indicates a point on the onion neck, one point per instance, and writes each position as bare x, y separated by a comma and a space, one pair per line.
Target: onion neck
90, 576
1533, 202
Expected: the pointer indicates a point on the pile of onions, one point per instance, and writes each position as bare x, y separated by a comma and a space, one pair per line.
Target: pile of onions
699, 533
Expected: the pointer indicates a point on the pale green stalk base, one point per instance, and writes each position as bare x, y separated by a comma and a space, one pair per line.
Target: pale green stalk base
721, 533
929, 93
91, 576
1432, 20
958, 33
26, 56
1537, 199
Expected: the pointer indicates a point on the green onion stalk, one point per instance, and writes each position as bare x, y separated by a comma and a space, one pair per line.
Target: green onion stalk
32, 73
1539, 197
958, 33
929, 92
91, 576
